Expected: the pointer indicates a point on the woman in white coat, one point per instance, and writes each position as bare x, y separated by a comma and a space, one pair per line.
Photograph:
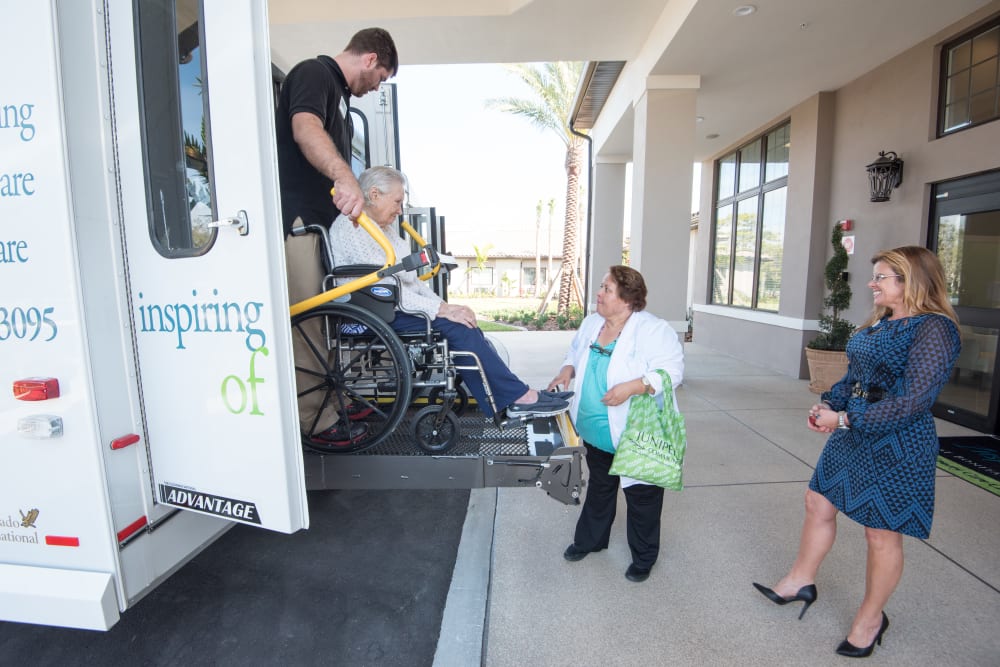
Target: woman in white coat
614, 356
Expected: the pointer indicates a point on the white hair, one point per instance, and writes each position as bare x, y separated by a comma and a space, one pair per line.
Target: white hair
380, 178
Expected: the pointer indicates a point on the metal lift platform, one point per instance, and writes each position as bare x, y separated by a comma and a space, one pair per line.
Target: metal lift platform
544, 453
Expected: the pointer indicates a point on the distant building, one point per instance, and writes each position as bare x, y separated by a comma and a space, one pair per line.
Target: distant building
504, 273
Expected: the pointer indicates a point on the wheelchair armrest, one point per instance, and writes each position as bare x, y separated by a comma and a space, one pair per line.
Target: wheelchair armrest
428, 332
348, 270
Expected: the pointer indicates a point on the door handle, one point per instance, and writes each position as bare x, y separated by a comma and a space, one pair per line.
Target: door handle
240, 223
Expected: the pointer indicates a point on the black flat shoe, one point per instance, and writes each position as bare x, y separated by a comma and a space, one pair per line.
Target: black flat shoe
806, 594
636, 574
574, 553
848, 649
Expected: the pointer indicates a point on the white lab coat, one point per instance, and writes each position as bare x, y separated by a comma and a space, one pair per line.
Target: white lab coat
645, 344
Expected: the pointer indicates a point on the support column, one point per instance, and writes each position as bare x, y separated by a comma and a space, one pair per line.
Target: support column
607, 225
663, 158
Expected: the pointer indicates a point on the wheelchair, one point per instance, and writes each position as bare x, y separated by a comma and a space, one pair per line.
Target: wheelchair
366, 371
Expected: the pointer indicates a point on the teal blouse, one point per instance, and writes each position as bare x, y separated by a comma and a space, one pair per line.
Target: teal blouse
592, 415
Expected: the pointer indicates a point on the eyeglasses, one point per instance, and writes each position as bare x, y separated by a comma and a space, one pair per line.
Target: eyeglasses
879, 277
606, 351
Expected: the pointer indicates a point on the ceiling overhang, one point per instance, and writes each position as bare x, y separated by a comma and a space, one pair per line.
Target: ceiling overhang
598, 79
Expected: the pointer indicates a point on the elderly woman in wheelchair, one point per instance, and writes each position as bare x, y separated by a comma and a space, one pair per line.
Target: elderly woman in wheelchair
420, 319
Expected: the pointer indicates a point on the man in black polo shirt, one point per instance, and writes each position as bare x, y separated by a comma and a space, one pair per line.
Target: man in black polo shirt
314, 154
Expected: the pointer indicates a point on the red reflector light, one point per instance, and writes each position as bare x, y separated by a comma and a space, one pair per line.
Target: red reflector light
36, 389
124, 441
131, 529
57, 541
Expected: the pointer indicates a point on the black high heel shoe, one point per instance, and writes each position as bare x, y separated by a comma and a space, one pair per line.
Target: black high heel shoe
851, 651
807, 594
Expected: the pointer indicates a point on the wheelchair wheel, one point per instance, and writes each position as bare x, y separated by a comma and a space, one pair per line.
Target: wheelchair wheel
352, 368
434, 437
461, 398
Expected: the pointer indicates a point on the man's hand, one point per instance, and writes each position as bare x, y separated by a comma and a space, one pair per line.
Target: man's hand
460, 314
347, 197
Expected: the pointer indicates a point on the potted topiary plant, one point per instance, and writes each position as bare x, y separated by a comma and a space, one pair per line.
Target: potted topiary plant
826, 354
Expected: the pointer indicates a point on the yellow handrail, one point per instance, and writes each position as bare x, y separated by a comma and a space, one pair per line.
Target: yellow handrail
354, 285
408, 228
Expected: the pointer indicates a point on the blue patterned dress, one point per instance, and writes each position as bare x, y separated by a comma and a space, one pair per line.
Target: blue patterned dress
881, 471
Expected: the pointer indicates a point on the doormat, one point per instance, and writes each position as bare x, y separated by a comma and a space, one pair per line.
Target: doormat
976, 459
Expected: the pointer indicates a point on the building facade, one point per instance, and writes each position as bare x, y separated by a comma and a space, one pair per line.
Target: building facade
772, 190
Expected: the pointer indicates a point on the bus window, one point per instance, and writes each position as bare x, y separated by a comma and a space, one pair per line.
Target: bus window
360, 153
176, 128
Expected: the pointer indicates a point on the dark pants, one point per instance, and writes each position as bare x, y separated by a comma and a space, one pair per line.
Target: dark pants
505, 386
644, 503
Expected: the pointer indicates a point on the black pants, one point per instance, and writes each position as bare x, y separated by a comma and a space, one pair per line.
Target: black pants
644, 503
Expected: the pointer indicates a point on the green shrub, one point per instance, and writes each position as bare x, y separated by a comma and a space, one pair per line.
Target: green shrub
835, 331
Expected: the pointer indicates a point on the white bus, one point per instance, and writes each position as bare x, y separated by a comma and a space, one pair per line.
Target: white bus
150, 399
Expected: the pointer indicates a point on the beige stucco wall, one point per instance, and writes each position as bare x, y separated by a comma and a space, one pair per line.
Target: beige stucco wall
894, 108
834, 136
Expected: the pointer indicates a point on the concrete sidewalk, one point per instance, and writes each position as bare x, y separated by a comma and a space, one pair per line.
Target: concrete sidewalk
737, 521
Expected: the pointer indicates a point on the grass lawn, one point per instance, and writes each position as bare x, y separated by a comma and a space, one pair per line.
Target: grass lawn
486, 325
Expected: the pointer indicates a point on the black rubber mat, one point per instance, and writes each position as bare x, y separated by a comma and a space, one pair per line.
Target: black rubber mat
365, 585
976, 459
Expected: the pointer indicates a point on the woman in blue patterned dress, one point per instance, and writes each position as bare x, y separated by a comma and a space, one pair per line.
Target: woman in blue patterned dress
878, 465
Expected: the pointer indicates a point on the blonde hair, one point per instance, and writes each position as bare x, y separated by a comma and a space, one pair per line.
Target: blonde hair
924, 289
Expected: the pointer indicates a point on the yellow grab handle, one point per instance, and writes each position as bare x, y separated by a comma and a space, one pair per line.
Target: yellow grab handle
354, 285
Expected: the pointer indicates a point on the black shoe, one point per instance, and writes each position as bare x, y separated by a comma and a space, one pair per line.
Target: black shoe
574, 553
341, 434
564, 395
806, 594
636, 574
545, 406
848, 649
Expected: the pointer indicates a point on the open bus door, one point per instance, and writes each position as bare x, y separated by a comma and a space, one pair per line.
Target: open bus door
143, 312
204, 253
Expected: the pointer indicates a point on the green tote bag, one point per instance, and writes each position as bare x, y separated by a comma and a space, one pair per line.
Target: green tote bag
653, 443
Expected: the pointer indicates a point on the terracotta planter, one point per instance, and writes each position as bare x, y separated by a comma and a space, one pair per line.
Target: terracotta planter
826, 367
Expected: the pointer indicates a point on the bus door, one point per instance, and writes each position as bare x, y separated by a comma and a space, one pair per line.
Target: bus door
430, 226
204, 255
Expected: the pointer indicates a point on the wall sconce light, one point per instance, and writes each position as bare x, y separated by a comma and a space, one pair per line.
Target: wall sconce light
884, 174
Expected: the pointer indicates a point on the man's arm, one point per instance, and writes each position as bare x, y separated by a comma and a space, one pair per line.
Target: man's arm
322, 154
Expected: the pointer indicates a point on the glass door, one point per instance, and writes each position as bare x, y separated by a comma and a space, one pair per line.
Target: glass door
966, 236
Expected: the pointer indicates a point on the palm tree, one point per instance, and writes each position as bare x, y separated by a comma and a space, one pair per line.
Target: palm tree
482, 256
548, 274
538, 254
554, 86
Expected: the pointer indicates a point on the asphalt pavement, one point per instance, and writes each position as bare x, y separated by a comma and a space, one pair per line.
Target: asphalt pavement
365, 585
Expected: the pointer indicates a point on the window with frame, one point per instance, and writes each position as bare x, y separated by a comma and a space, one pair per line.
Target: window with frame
749, 222
176, 128
528, 276
482, 277
970, 80
360, 152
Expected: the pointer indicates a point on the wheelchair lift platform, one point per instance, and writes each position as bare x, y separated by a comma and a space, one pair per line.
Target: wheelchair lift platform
544, 453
